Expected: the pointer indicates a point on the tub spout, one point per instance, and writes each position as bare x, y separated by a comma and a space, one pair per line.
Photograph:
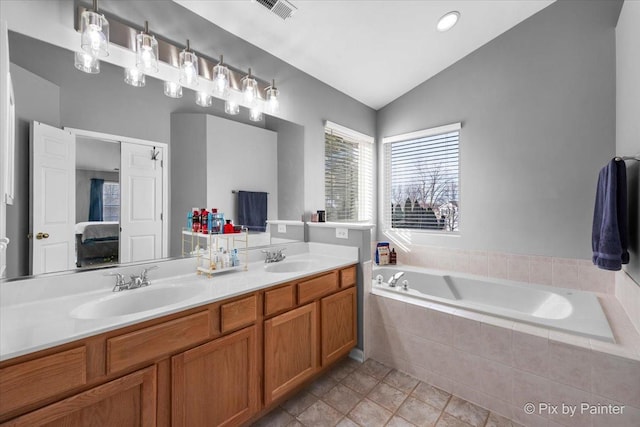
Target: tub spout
394, 279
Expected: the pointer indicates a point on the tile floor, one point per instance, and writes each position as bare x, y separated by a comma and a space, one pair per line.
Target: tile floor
371, 395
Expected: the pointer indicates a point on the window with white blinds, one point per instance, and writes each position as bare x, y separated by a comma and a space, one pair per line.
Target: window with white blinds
348, 177
422, 180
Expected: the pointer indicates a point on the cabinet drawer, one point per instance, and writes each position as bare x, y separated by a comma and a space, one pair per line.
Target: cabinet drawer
348, 277
149, 343
236, 314
277, 300
310, 290
32, 381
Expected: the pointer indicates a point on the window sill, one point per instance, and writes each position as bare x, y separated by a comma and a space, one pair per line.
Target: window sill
349, 225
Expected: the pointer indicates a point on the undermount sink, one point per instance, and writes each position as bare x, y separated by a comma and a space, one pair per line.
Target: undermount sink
136, 301
290, 266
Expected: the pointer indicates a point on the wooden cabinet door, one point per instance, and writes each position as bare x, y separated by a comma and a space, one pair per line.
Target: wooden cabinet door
129, 401
216, 384
290, 350
339, 334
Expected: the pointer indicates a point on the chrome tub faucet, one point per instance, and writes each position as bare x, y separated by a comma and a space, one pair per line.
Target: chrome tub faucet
394, 279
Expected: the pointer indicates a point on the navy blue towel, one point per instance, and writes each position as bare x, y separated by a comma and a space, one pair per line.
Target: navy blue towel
252, 210
610, 232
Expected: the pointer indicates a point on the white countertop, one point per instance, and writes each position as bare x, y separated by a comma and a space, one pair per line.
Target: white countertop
37, 316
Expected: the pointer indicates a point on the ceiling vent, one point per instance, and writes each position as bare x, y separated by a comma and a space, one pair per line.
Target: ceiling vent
282, 8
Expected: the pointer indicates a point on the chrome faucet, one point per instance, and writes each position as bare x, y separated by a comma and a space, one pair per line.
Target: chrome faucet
137, 281
394, 279
120, 285
275, 256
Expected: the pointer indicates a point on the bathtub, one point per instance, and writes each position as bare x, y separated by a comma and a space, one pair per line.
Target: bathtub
562, 309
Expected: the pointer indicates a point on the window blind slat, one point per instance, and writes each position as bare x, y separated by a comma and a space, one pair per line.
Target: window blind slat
348, 175
421, 182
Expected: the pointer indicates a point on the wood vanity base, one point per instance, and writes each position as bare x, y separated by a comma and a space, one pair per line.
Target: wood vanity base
221, 364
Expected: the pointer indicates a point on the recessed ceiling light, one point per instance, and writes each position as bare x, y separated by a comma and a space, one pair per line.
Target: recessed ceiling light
448, 21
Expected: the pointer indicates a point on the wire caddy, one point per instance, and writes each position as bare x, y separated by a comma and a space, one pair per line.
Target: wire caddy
205, 247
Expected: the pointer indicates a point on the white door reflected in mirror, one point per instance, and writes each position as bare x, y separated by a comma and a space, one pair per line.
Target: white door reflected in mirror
53, 199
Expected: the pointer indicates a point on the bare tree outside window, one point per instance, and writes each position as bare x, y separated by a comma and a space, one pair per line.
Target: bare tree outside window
424, 183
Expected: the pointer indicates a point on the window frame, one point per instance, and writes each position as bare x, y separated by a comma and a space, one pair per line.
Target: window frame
104, 205
386, 178
366, 208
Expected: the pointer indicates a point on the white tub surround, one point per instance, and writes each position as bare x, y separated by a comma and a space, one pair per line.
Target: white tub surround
560, 309
36, 313
628, 293
503, 364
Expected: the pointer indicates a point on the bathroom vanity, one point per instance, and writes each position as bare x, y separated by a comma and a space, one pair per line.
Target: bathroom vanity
221, 362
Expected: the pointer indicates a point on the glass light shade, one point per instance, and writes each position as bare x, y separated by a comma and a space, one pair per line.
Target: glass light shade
188, 64
221, 81
146, 53
255, 115
172, 90
133, 77
94, 30
87, 63
250, 91
231, 107
273, 102
203, 99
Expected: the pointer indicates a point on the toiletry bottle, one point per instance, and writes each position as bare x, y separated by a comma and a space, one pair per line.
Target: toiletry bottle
235, 261
213, 262
216, 227
228, 227
393, 256
210, 222
196, 220
190, 220
203, 220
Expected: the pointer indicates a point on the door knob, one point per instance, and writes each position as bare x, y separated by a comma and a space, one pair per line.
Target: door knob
40, 236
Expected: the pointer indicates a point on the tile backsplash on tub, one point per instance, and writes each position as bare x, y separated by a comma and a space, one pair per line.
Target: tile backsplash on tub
562, 272
505, 367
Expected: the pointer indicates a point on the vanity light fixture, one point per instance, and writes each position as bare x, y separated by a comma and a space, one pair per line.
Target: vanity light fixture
228, 83
448, 21
273, 103
172, 90
255, 115
188, 65
94, 30
146, 51
133, 77
203, 99
231, 107
249, 89
87, 63
221, 79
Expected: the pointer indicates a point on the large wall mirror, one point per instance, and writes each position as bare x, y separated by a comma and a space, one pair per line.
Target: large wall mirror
49, 90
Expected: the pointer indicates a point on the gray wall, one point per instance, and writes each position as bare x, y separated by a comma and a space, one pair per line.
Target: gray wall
240, 157
537, 106
36, 99
83, 189
627, 115
290, 168
188, 168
